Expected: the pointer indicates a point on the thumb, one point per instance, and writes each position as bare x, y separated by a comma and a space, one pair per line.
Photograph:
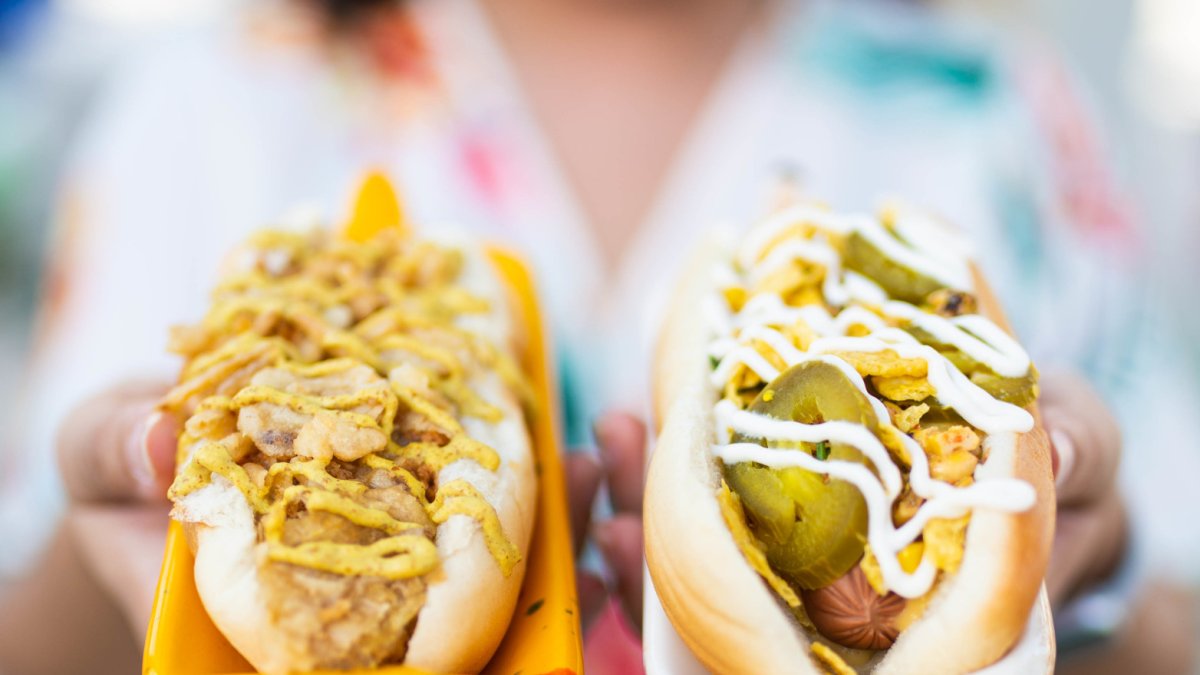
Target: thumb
116, 446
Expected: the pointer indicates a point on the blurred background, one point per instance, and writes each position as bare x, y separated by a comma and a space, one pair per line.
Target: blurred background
1138, 61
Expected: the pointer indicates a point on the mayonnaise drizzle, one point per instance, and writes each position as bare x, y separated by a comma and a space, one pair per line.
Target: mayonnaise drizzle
953, 389
972, 334
729, 417
879, 520
926, 248
759, 321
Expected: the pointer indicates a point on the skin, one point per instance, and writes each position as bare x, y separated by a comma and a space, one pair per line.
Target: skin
659, 58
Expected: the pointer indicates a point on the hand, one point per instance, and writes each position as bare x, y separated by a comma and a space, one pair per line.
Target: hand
1091, 533
621, 439
117, 457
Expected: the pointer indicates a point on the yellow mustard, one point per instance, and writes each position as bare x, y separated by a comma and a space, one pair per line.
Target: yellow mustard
250, 305
400, 557
461, 498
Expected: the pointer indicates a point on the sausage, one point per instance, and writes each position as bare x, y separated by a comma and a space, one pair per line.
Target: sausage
852, 614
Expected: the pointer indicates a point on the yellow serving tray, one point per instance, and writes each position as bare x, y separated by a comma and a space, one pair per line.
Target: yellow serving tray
544, 636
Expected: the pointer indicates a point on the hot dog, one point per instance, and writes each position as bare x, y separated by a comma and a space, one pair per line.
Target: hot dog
850, 474
355, 474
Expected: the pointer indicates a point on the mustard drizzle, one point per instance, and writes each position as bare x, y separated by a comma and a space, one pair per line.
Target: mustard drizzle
401, 554
461, 498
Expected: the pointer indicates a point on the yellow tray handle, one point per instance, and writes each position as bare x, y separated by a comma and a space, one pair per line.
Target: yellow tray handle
376, 208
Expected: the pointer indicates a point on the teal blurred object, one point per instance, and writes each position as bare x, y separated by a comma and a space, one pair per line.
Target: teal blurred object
578, 407
43, 96
880, 48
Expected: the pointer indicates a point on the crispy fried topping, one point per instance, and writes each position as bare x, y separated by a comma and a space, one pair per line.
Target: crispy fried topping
327, 384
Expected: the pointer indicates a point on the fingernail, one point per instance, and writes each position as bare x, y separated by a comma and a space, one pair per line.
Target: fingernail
1065, 448
141, 465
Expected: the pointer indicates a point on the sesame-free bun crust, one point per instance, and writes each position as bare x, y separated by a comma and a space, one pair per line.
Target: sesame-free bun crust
730, 618
468, 601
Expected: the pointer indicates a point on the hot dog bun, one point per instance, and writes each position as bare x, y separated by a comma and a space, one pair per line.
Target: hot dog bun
722, 608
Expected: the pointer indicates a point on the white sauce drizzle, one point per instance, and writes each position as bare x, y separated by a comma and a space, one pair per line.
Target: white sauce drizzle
952, 388
929, 252
926, 248
1000, 352
810, 251
729, 417
879, 520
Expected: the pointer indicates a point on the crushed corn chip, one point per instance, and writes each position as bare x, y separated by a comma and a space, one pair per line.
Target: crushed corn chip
830, 662
770, 355
891, 437
953, 467
800, 334
906, 506
903, 388
907, 419
944, 539
796, 231
795, 284
782, 282
870, 568
735, 520
945, 440
886, 363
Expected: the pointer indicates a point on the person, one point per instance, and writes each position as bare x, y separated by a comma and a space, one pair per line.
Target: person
600, 138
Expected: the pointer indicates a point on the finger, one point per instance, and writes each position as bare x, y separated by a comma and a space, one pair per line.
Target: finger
1084, 436
592, 595
621, 438
620, 541
1088, 545
125, 547
583, 481
117, 447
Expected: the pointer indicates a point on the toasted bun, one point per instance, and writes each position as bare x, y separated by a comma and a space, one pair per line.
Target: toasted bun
731, 619
468, 602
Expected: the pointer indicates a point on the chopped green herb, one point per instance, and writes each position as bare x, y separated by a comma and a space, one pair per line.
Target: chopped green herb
823, 450
713, 362
537, 604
